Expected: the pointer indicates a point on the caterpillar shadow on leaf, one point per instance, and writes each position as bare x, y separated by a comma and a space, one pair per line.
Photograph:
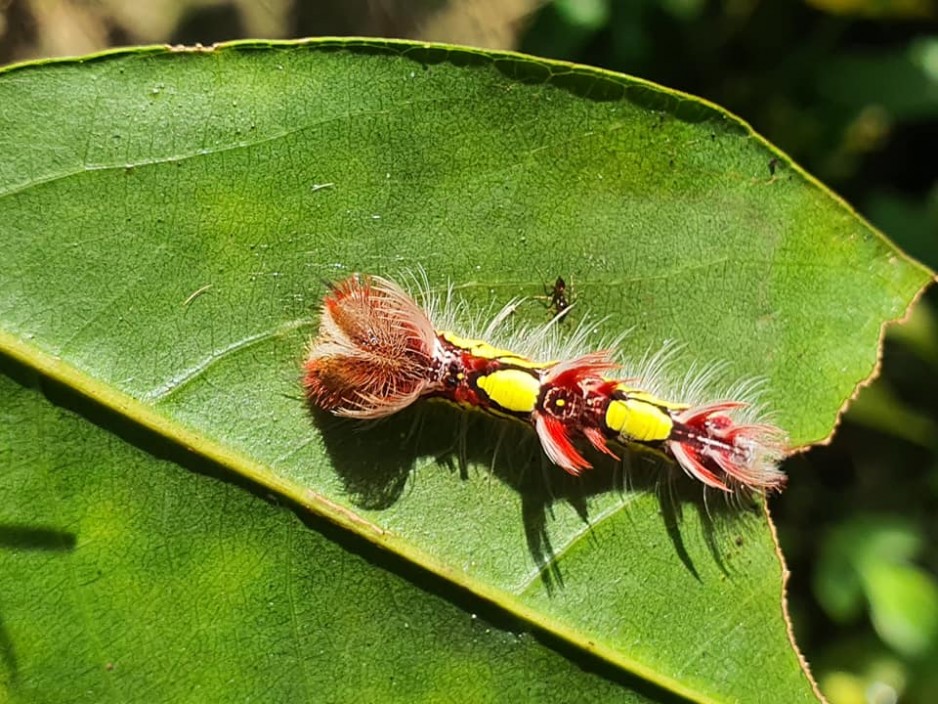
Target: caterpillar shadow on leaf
376, 461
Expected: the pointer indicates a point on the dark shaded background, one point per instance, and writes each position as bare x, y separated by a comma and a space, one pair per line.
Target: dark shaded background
848, 88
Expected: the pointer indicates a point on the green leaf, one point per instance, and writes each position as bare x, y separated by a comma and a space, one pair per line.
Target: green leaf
171, 215
869, 558
130, 578
900, 83
904, 606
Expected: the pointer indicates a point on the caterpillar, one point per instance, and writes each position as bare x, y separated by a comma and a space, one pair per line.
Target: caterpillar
378, 351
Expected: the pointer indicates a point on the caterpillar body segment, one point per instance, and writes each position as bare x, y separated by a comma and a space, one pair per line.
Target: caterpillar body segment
564, 404
478, 375
483, 350
514, 390
707, 441
714, 443
378, 351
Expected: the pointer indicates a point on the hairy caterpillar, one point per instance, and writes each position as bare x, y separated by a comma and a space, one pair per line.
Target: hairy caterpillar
378, 351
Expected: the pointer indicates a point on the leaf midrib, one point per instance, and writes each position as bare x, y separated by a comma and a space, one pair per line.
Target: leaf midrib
140, 414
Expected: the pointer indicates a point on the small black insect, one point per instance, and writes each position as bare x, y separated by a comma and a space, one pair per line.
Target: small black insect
558, 298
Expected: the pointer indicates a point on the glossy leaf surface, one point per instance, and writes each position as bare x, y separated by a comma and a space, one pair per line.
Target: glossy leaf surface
170, 219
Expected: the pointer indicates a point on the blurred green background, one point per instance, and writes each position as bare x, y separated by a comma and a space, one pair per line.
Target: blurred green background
849, 89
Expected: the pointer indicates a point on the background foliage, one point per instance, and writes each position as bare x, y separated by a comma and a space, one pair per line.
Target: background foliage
848, 88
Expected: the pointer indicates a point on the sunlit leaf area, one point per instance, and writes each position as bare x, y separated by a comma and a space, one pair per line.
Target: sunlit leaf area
753, 181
